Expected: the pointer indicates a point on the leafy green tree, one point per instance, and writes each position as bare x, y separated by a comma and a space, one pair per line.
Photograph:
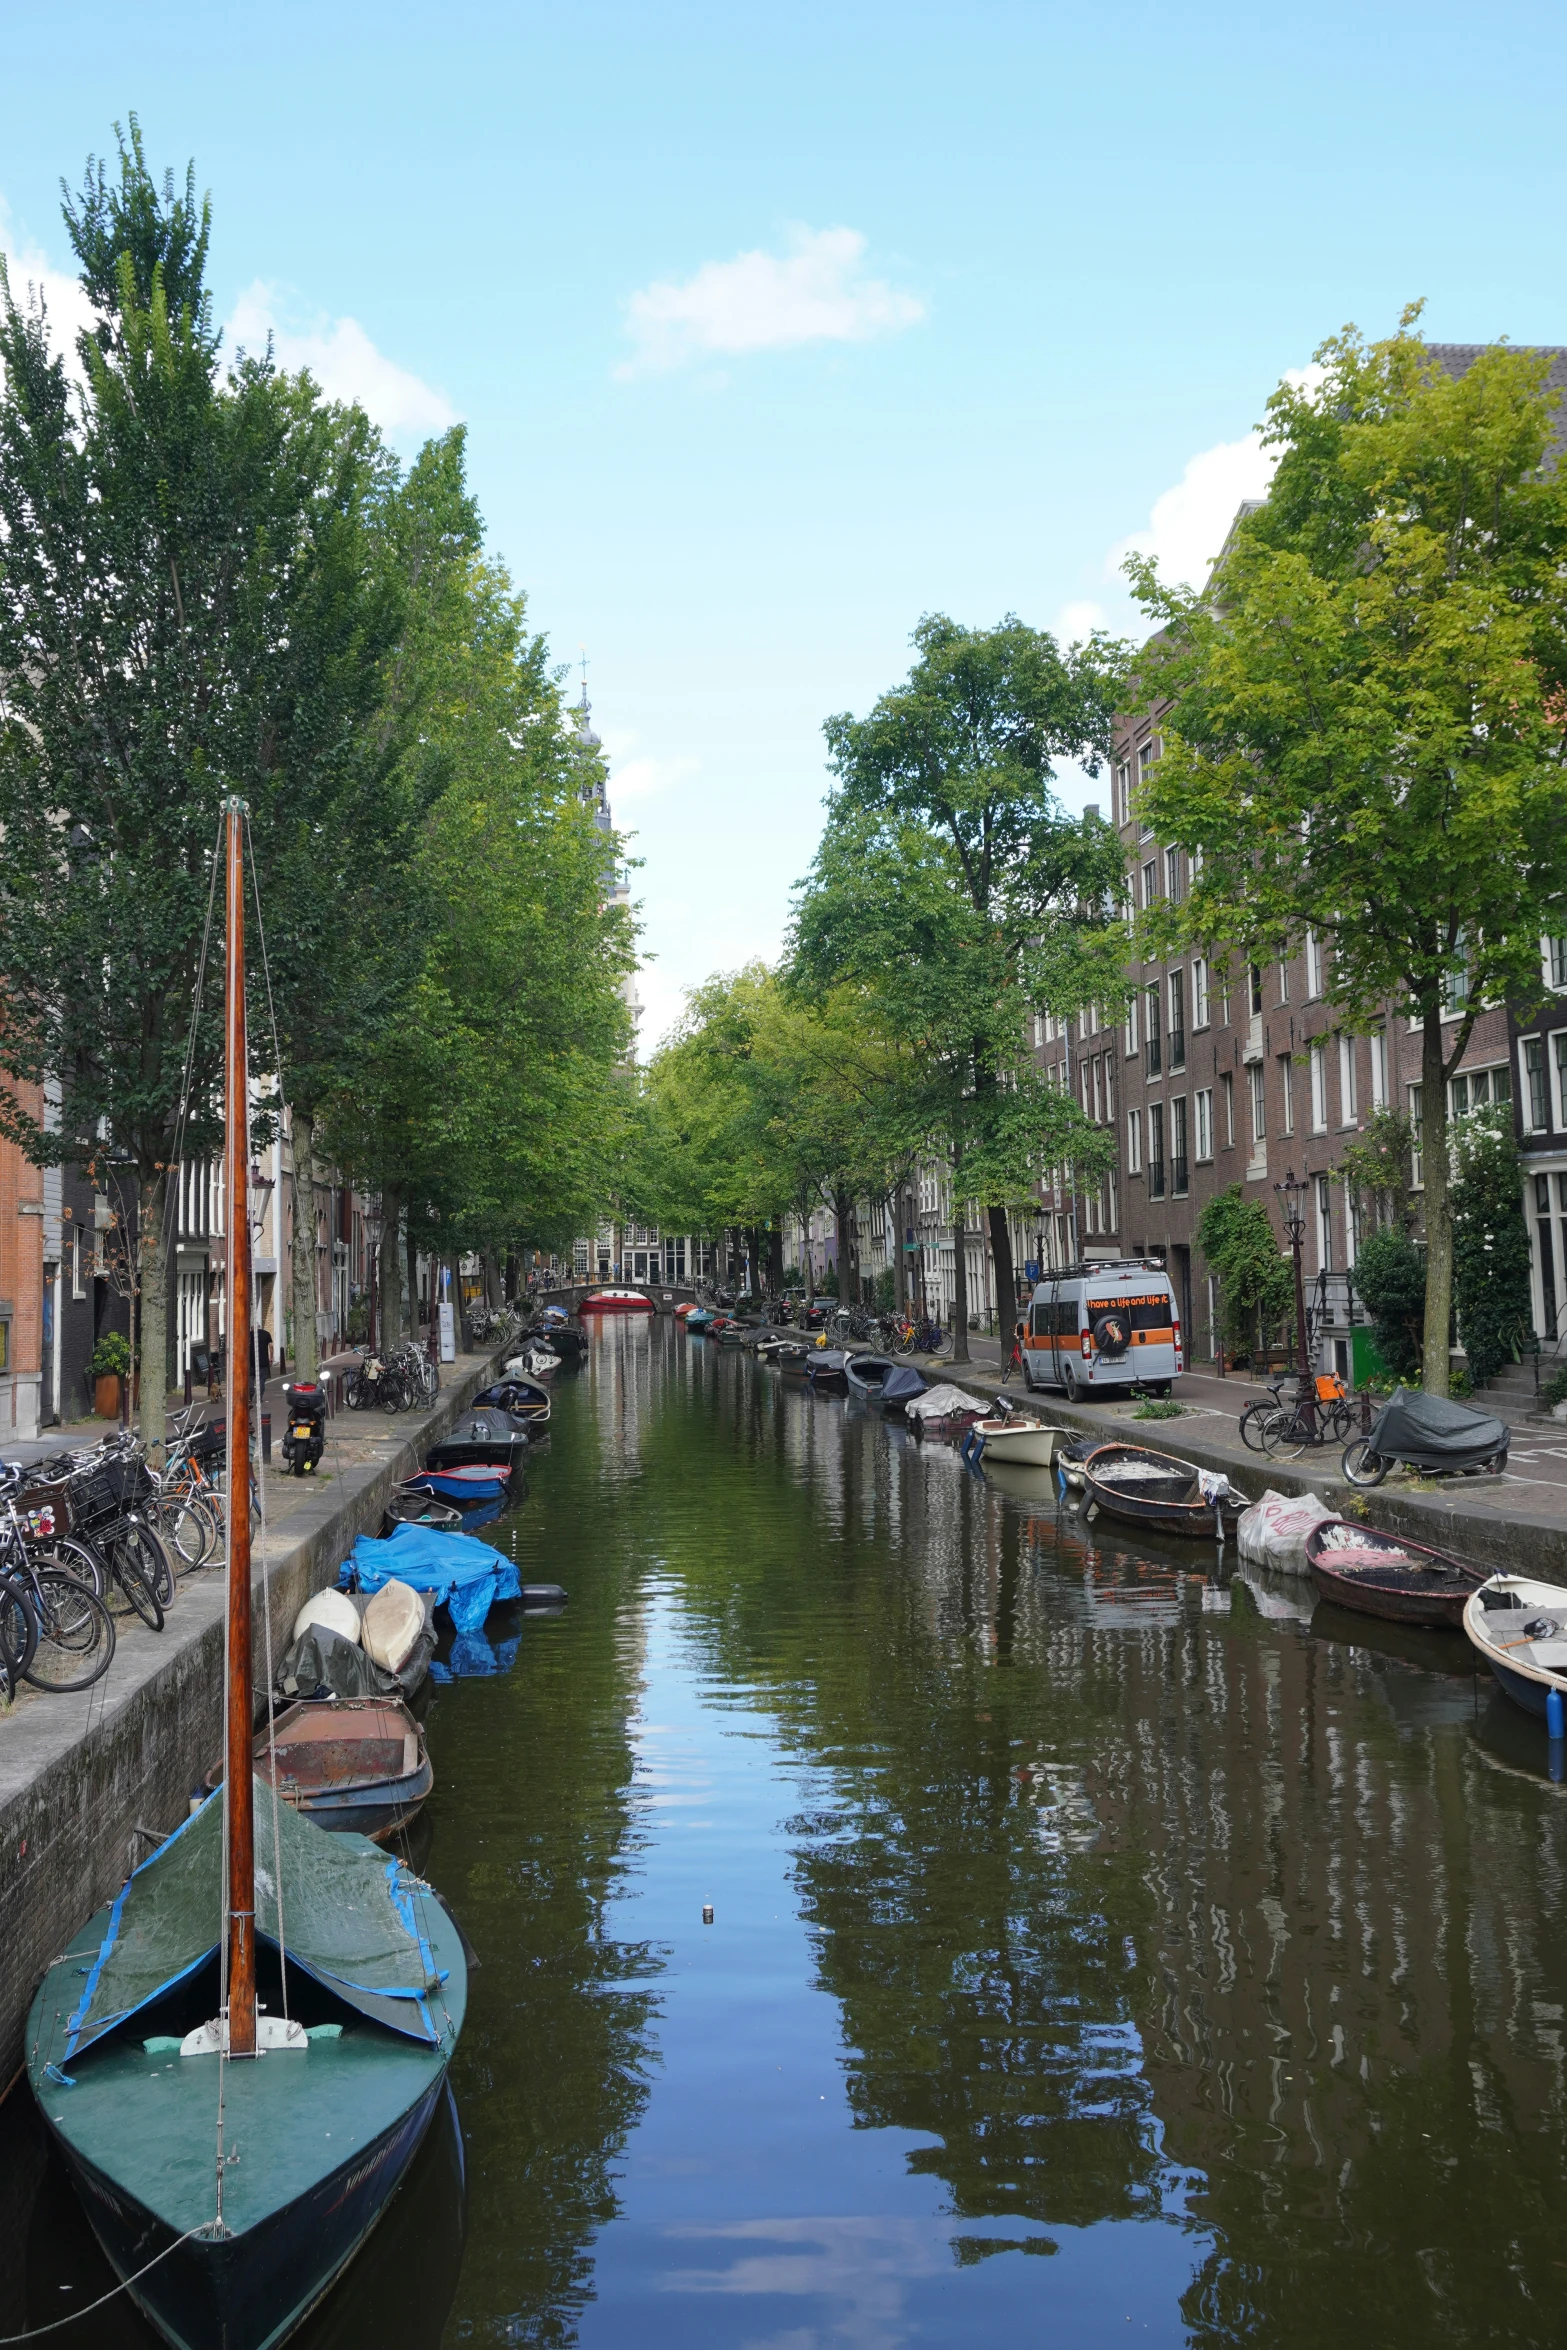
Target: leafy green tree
1366, 711
1491, 1262
1390, 1282
950, 884
1376, 1167
1256, 1285
187, 610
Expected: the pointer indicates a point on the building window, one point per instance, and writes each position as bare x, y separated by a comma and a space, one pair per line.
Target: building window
78, 1285
1172, 876
1177, 1020
1416, 1101
1556, 961
1134, 1142
1286, 1094
1178, 1171
1500, 1076
1538, 1095
1255, 974
1131, 1026
1150, 882
1319, 1089
1199, 993
1348, 1099
1456, 992
1202, 1106
1259, 1102
1123, 790
1145, 759
1324, 1225
1155, 1150
1227, 1103
1154, 1031
1284, 982
1099, 1073
1479, 1089
1379, 1068
1313, 966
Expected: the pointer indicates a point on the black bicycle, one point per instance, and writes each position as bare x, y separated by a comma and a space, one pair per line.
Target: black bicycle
71, 1634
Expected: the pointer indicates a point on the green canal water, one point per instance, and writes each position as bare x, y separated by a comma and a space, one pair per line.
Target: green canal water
1106, 1948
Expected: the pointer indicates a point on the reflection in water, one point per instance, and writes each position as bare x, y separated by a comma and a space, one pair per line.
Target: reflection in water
1103, 1950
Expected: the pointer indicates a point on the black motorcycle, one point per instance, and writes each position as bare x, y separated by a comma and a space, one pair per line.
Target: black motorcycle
304, 1431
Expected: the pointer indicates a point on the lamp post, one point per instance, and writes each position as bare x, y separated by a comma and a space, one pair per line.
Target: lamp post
1291, 1195
373, 1221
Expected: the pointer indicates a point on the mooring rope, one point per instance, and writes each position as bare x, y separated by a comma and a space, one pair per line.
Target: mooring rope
37, 2333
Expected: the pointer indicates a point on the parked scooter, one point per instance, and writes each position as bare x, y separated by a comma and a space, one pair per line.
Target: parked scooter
304, 1433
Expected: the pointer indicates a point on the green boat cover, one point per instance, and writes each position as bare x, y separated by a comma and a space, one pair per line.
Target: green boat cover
351, 1920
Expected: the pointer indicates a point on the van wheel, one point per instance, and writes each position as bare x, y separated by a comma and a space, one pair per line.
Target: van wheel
1163, 1386
1069, 1384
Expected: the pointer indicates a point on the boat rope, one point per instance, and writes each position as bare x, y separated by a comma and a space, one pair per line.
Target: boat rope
37, 2333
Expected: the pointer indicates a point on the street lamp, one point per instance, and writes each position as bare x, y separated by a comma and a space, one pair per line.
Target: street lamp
1291, 1195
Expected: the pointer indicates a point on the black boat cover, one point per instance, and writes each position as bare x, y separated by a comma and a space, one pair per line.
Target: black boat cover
1432, 1433
902, 1385
351, 1918
321, 1663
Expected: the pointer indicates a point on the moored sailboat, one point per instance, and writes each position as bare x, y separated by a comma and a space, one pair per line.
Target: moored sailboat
233, 2150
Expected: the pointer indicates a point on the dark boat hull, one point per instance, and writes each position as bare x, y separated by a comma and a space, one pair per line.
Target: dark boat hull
1437, 1610
376, 1812
250, 2292
1531, 1695
1193, 1520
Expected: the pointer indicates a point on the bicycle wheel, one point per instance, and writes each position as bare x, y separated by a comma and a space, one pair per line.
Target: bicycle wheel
157, 1568
189, 1529
1251, 1421
75, 1633
126, 1570
18, 1628
1344, 1423
1284, 1436
1362, 1466
77, 1556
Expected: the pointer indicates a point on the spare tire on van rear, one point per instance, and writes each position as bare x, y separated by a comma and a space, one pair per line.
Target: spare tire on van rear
1112, 1334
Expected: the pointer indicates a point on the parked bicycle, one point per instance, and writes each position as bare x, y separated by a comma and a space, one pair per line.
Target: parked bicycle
55, 1630
1318, 1413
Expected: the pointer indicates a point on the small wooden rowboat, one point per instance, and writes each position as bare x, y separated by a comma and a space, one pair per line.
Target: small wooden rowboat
1156, 1491
1519, 1626
1384, 1575
358, 1765
868, 1374
1028, 1443
469, 1482
825, 1367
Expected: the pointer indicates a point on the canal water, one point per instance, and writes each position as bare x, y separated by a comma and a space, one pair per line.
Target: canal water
1105, 1947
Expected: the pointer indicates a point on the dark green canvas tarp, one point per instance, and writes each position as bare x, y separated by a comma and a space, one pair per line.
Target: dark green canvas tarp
351, 1919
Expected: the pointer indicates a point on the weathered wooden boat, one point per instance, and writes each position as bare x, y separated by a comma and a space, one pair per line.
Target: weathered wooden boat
235, 2128
1160, 1493
616, 1301
422, 1509
1386, 1575
1519, 1626
825, 1367
867, 1375
358, 1766
771, 1343
791, 1357
943, 1410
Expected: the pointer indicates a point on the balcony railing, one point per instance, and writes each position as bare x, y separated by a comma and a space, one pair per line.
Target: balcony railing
1177, 1049
1156, 1179
1178, 1176
1153, 1055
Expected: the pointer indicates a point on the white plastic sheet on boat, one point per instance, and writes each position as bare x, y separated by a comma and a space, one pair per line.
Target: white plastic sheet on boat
942, 1403
1272, 1533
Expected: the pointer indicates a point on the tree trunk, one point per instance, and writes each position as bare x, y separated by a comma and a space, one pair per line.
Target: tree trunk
490, 1271
1006, 1272
841, 1204
413, 1275
809, 1255
153, 1299
960, 1352
389, 1288
1439, 1224
775, 1263
307, 1354
900, 1281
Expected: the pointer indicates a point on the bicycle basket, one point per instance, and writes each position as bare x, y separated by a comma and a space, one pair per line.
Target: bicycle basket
45, 1509
1330, 1387
103, 1495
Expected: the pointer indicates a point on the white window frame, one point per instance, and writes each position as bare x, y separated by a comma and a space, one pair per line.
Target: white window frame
1348, 1090
1150, 882
1202, 1123
1526, 1094
78, 1284
1227, 1096
1414, 1097
1257, 1077
1324, 1222
1200, 1006
1132, 1046
1313, 967
1379, 1095
1134, 1142
1287, 1093
1319, 1088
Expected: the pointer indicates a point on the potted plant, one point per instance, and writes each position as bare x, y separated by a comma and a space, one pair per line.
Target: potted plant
111, 1362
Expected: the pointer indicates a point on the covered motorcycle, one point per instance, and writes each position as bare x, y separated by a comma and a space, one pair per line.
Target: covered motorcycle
1414, 1430
304, 1431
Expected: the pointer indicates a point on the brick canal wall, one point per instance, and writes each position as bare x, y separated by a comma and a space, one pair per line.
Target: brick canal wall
81, 1775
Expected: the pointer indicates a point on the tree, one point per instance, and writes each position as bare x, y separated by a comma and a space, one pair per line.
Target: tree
186, 613
1366, 710
1390, 1282
1256, 1284
951, 885
1491, 1262
1375, 1169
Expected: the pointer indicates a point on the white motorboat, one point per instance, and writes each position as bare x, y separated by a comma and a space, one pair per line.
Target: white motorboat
1519, 1626
1028, 1443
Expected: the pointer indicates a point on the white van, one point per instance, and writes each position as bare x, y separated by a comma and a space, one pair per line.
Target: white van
1098, 1329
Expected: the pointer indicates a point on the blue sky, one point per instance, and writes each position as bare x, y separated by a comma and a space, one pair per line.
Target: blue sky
775, 329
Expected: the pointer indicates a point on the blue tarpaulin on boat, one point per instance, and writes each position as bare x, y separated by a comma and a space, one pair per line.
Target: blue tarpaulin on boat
460, 1572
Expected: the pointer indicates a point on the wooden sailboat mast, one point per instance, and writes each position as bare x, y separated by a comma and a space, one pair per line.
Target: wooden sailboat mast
239, 1700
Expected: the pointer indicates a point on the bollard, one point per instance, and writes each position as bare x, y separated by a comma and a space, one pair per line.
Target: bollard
707, 1913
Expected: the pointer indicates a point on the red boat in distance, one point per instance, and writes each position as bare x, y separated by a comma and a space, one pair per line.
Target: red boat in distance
616, 1301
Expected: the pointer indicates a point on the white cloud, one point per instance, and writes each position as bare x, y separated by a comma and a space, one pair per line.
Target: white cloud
67, 306
1189, 523
344, 362
1076, 621
814, 292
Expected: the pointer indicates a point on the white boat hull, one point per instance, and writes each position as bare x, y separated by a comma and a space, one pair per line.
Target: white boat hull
1030, 1446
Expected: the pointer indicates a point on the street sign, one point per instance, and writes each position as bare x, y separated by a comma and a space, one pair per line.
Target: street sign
448, 1334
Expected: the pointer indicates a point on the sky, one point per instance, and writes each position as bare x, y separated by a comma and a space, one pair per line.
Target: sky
774, 330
